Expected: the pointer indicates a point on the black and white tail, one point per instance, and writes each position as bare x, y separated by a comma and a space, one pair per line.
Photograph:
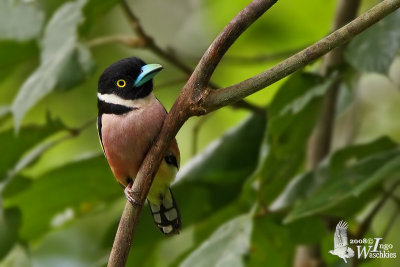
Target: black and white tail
166, 216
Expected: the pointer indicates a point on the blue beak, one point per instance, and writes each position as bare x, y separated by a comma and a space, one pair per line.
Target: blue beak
148, 72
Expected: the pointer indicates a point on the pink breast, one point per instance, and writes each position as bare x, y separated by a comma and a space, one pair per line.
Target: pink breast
127, 138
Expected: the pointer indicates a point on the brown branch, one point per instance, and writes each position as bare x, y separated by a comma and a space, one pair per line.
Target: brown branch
202, 74
180, 112
169, 56
231, 94
197, 99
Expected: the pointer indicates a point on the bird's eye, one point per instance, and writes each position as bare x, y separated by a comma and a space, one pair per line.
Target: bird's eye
121, 83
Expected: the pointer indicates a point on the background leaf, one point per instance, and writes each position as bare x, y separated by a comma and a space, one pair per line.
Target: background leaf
78, 185
293, 110
59, 45
226, 246
348, 182
217, 174
18, 145
305, 184
20, 20
10, 220
375, 49
213, 178
60, 173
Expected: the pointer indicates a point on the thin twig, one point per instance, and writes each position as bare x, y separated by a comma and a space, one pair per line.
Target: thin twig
37, 151
122, 39
231, 94
169, 56
149, 41
196, 99
195, 132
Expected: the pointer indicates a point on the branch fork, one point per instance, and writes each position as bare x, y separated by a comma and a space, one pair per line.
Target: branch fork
197, 99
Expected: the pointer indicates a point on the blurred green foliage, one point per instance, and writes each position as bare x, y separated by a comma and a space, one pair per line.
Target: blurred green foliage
247, 198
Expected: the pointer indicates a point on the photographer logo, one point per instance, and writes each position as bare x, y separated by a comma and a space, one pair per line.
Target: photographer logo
372, 248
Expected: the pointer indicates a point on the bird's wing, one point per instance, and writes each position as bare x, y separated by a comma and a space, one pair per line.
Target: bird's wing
173, 156
340, 238
99, 125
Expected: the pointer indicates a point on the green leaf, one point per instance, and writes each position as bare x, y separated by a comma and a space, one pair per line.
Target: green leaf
347, 184
375, 49
15, 186
271, 243
213, 180
77, 66
4, 113
59, 45
18, 256
229, 159
76, 185
215, 176
12, 53
94, 10
226, 246
292, 116
305, 184
20, 20
17, 145
78, 243
10, 221
349, 155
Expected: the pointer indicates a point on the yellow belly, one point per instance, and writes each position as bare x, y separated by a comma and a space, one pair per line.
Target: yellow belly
164, 177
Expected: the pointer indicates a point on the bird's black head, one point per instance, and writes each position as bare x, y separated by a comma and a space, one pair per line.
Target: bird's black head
128, 78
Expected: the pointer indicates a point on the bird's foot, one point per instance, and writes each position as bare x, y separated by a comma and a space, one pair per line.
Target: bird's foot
132, 196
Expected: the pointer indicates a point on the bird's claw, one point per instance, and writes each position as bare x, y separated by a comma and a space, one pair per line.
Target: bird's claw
130, 196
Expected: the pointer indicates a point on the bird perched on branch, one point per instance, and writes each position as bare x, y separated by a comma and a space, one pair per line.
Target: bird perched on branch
130, 118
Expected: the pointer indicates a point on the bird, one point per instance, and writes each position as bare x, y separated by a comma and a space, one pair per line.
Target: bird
129, 119
341, 248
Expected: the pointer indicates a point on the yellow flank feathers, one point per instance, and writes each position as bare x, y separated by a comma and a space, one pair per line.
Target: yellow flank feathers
164, 177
